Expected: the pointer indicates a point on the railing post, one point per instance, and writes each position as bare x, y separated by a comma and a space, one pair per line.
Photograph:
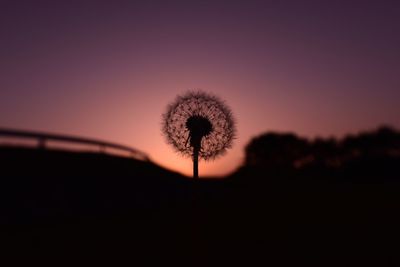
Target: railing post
42, 143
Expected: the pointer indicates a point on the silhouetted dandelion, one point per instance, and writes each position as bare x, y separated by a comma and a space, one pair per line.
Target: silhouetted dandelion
199, 125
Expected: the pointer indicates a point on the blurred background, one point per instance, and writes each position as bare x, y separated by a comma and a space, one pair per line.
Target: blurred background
108, 69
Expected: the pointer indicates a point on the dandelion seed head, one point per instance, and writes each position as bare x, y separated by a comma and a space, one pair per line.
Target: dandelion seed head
198, 117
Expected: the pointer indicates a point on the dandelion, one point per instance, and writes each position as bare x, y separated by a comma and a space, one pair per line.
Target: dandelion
199, 125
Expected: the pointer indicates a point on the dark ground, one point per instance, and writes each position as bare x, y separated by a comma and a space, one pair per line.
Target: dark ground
58, 207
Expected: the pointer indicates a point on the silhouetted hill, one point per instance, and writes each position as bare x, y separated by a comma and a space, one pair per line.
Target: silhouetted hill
312, 205
37, 184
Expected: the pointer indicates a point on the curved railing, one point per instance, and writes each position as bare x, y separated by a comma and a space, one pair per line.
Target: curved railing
43, 138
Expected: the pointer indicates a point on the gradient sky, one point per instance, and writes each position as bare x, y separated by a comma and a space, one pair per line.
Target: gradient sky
108, 69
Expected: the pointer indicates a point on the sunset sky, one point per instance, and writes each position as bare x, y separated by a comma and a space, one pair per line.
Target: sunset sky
108, 69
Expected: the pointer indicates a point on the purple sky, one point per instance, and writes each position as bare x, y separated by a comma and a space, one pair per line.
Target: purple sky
108, 69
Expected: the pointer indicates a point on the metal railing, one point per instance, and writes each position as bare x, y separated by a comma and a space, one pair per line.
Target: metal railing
43, 139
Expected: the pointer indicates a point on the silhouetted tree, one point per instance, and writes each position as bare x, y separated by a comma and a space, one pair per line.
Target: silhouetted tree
325, 152
276, 150
199, 125
367, 157
383, 142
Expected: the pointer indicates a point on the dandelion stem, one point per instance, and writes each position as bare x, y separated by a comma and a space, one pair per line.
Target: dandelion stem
196, 162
